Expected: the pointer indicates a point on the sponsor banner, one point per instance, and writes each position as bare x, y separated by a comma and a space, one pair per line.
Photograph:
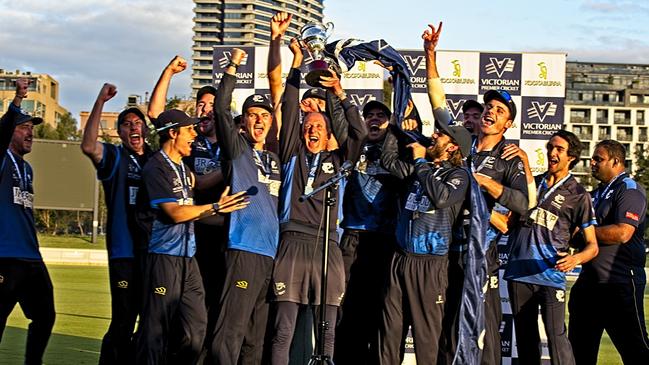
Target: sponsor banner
425, 112
536, 154
458, 72
245, 72
500, 71
543, 74
541, 117
362, 97
238, 97
416, 63
454, 104
514, 133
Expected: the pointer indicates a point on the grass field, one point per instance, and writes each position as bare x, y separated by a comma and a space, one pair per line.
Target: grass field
71, 242
83, 314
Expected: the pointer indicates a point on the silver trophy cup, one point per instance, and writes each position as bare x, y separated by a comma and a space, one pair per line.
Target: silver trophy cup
314, 36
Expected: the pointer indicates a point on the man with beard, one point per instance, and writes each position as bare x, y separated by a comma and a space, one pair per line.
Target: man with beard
119, 168
608, 293
501, 174
253, 232
430, 205
174, 317
369, 217
539, 258
306, 165
23, 276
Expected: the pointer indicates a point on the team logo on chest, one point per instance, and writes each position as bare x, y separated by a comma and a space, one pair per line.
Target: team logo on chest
558, 201
328, 167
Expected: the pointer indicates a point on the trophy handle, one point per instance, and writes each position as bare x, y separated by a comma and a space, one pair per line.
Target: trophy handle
330, 29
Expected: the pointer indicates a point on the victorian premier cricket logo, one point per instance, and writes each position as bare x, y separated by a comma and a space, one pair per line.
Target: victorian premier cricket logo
543, 117
416, 64
500, 66
245, 71
500, 72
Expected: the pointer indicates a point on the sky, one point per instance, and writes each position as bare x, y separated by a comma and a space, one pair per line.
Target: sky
84, 43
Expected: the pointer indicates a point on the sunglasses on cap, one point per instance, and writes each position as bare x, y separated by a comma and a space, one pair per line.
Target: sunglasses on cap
505, 95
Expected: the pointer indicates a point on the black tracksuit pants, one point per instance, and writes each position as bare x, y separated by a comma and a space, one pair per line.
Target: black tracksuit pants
415, 297
616, 308
366, 256
174, 318
28, 283
243, 309
525, 300
125, 279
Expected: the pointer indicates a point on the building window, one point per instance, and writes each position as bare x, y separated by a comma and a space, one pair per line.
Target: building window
28, 106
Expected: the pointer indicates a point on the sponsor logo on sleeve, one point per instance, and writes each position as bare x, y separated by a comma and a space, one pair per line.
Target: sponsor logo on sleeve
242, 284
633, 216
160, 290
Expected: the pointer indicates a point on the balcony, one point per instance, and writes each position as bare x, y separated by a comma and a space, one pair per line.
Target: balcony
622, 121
582, 136
602, 120
582, 120
642, 138
581, 169
604, 136
624, 137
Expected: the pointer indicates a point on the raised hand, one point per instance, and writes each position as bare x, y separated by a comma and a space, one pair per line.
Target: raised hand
230, 203
279, 23
331, 82
237, 55
22, 85
418, 151
296, 47
107, 92
177, 64
431, 37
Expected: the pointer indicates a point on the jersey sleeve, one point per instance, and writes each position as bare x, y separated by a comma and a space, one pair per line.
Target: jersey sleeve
514, 196
444, 192
107, 166
159, 185
630, 206
289, 133
584, 214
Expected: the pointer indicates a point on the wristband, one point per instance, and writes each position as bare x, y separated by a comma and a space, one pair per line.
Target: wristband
215, 207
232, 64
21, 96
342, 95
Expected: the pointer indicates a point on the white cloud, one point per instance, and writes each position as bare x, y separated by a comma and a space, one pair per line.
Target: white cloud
86, 43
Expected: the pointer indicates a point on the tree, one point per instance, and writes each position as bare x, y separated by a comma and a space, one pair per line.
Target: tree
66, 128
642, 175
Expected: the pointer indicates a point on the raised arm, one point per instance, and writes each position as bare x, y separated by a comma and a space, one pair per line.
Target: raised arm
159, 94
8, 123
390, 156
289, 133
278, 26
89, 144
436, 93
227, 132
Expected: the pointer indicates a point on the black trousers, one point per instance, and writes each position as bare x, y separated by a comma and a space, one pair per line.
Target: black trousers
28, 283
243, 313
492, 351
526, 300
285, 321
616, 308
415, 297
125, 278
174, 318
449, 339
366, 256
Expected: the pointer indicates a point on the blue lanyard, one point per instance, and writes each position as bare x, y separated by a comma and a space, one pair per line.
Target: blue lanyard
182, 180
313, 168
137, 164
554, 187
597, 197
21, 182
262, 163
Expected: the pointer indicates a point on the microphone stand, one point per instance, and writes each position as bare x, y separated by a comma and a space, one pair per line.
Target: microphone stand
330, 186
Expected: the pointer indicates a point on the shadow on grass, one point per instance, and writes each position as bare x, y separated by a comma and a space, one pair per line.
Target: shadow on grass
61, 350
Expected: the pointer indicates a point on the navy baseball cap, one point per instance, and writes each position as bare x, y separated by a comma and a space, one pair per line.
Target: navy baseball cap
23, 117
257, 100
504, 97
472, 104
133, 110
375, 104
173, 118
459, 134
315, 92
